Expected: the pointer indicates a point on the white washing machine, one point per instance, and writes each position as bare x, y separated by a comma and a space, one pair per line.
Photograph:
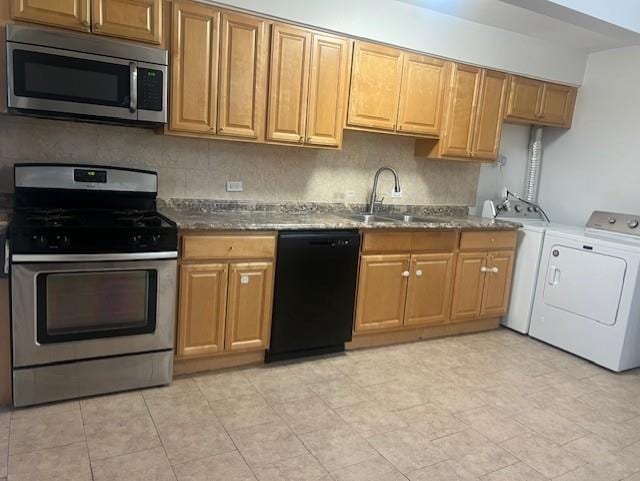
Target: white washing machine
587, 298
529, 248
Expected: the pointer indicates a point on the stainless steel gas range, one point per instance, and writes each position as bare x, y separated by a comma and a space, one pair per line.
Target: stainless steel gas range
93, 282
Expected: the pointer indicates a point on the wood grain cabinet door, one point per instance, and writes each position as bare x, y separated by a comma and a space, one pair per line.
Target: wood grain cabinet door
382, 292
375, 86
422, 94
248, 322
327, 90
429, 291
131, 19
557, 104
194, 67
457, 140
73, 14
288, 83
489, 117
243, 75
202, 307
468, 286
497, 286
525, 96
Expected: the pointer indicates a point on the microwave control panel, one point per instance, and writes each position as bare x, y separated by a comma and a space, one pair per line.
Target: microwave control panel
150, 89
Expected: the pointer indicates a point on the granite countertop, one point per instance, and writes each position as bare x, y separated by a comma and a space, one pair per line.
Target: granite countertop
194, 219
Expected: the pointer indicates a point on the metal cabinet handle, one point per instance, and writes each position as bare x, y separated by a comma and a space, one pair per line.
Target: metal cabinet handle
405, 273
418, 273
133, 79
494, 270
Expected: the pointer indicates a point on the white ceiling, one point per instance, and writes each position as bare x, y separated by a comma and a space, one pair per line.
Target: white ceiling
550, 20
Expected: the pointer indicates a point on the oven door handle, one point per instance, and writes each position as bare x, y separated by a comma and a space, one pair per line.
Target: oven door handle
6, 256
116, 256
133, 85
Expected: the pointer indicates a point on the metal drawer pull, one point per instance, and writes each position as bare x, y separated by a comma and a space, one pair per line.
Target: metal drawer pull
405, 273
418, 273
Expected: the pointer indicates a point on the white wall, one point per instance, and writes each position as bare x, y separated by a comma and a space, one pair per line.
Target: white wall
431, 32
596, 164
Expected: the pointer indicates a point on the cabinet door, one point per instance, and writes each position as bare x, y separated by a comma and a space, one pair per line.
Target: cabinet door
73, 14
468, 286
375, 86
327, 90
288, 83
497, 285
203, 298
248, 322
382, 292
429, 291
194, 67
489, 118
457, 140
525, 96
243, 69
130, 19
424, 85
557, 104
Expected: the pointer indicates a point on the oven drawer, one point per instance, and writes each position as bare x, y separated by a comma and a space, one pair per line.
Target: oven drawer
229, 246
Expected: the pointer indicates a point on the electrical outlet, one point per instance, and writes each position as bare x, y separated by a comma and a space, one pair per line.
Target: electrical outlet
234, 186
396, 195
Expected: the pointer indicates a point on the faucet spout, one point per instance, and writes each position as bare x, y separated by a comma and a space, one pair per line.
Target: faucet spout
373, 200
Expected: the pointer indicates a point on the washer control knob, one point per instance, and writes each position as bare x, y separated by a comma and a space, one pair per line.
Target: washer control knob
612, 220
633, 223
518, 208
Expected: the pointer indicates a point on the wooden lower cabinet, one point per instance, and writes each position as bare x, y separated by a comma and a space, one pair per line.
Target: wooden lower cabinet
382, 292
249, 306
202, 309
429, 291
497, 287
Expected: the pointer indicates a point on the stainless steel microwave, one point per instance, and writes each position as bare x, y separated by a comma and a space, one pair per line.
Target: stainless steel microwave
60, 74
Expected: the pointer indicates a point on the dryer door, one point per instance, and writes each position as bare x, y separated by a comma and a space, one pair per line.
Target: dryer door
585, 283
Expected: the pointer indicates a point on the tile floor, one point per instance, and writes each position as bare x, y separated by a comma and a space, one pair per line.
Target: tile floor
495, 406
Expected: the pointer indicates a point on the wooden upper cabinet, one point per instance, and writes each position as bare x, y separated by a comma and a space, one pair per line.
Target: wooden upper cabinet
202, 307
497, 286
131, 19
382, 290
488, 124
422, 93
375, 86
328, 81
73, 14
542, 103
556, 107
194, 67
468, 286
242, 76
288, 83
249, 303
457, 140
429, 291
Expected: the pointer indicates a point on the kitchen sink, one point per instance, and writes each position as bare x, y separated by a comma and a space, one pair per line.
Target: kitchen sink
410, 218
367, 218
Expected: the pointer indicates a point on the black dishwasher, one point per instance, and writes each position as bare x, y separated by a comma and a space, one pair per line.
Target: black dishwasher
315, 290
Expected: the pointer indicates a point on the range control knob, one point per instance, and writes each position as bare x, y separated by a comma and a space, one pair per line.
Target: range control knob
612, 220
40, 241
136, 239
633, 223
154, 239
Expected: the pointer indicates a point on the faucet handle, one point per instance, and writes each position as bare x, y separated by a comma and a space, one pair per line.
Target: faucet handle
380, 200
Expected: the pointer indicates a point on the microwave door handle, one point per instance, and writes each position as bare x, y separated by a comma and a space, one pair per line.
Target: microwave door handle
133, 84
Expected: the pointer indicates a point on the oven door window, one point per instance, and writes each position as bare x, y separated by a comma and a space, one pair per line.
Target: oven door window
91, 305
69, 79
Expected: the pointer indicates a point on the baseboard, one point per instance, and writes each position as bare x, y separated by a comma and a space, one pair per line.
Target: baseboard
222, 361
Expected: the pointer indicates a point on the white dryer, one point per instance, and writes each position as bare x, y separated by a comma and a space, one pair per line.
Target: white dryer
587, 298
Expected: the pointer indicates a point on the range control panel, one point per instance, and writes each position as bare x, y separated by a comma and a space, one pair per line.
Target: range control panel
615, 222
513, 208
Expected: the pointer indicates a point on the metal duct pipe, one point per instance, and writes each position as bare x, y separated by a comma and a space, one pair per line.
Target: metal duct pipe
534, 162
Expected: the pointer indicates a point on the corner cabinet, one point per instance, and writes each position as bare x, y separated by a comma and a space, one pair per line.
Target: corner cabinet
225, 293
540, 103
474, 115
307, 87
139, 20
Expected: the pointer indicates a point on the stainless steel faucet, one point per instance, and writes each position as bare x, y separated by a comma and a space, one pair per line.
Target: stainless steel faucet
374, 191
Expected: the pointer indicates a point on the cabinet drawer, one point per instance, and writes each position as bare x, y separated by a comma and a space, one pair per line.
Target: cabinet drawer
434, 241
386, 242
228, 246
480, 240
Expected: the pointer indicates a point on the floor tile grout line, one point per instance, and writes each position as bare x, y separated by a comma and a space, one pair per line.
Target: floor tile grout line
164, 449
